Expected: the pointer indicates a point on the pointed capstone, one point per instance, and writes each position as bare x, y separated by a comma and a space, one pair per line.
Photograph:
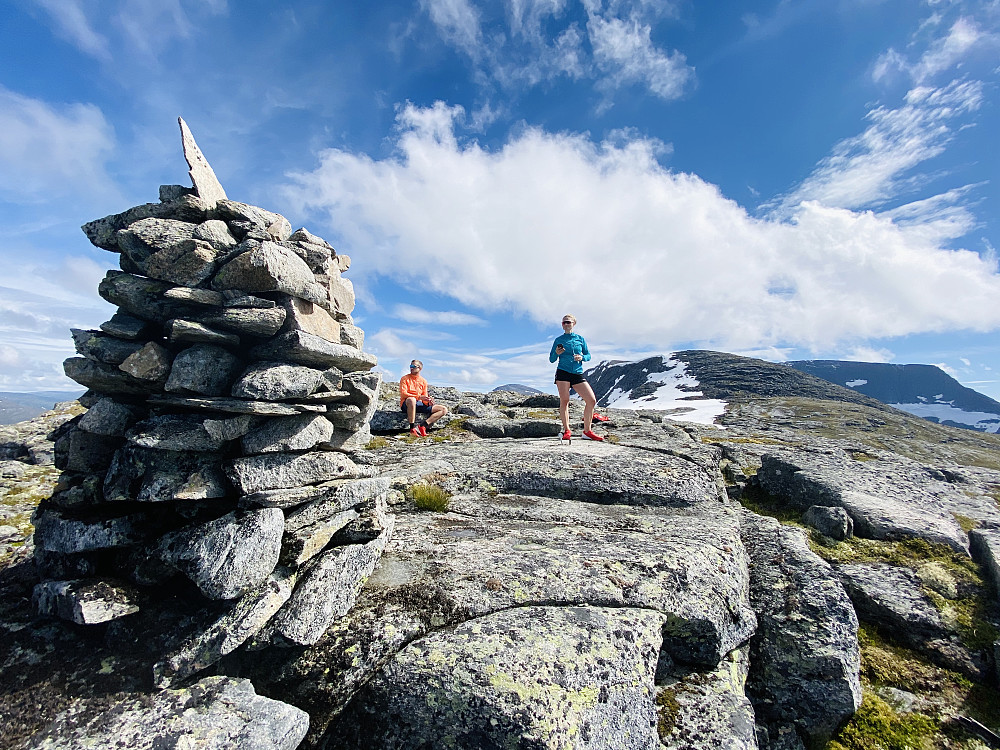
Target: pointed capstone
202, 175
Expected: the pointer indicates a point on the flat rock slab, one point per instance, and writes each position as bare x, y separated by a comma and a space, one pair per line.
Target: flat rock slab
252, 474
886, 499
986, 549
585, 471
891, 597
237, 406
539, 677
217, 713
513, 428
310, 350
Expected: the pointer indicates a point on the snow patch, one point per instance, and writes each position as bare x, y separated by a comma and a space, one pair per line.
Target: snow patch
979, 420
855, 383
683, 405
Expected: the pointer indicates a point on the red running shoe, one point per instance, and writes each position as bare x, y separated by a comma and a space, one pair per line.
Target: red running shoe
423, 430
591, 435
415, 431
600, 417
566, 436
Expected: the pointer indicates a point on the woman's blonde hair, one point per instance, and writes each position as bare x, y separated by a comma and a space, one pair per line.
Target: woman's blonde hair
569, 317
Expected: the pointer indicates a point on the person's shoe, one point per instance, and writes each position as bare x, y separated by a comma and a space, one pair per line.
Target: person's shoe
600, 418
415, 431
591, 435
423, 430
567, 436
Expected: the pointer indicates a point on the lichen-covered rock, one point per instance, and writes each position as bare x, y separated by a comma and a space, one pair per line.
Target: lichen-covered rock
540, 677
252, 474
834, 522
310, 350
216, 713
277, 381
85, 602
269, 267
804, 658
986, 549
513, 428
227, 557
288, 434
203, 370
148, 475
56, 532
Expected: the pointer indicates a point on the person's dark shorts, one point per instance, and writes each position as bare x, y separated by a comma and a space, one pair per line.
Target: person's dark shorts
422, 408
573, 378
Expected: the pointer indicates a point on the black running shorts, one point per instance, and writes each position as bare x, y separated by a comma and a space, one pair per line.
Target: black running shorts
573, 378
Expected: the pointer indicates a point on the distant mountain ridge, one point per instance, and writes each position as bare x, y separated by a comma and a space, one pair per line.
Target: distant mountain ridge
17, 407
518, 388
922, 390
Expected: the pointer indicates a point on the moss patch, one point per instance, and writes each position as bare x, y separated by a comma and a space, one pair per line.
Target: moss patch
876, 726
376, 443
967, 524
667, 711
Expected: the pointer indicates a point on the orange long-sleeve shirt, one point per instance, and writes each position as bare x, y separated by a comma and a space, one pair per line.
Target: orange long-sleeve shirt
412, 385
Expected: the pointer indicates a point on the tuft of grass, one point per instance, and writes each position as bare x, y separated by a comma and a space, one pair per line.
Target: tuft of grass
613, 439
430, 497
967, 524
376, 443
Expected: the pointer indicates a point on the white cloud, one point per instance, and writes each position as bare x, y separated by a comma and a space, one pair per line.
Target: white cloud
868, 354
624, 50
551, 223
458, 23
49, 151
413, 314
941, 54
965, 362
71, 24
947, 368
872, 168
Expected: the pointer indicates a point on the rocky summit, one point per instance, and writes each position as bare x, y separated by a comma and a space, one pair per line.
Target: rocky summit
232, 541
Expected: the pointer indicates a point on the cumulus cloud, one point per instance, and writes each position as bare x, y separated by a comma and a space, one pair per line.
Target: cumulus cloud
555, 223
874, 167
52, 150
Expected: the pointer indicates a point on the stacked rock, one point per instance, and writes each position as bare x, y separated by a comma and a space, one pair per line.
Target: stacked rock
226, 395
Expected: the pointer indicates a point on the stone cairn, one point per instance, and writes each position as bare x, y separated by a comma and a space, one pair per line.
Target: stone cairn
213, 468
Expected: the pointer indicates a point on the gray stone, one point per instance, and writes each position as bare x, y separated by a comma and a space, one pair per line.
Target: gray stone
155, 476
151, 363
84, 452
202, 370
12, 469
479, 410
345, 416
185, 432
195, 296
276, 225
285, 434
85, 602
317, 257
296, 496
513, 428
341, 295
190, 332
304, 235
206, 184
216, 234
985, 545
283, 471
228, 632
105, 378
110, 417
262, 322
189, 264
58, 533
306, 349
302, 542
216, 713
100, 348
276, 381
125, 326
229, 556
886, 500
236, 298
834, 522
143, 239
237, 406
231, 428
348, 441
174, 192
327, 591
303, 315
540, 677
351, 335
140, 297
712, 710
804, 658
269, 267
104, 232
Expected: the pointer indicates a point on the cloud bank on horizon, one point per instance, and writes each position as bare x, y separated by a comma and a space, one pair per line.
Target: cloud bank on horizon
534, 157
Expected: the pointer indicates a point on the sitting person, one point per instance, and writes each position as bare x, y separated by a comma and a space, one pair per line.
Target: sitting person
413, 398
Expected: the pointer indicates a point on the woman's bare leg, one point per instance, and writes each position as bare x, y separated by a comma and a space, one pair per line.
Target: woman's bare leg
563, 387
589, 402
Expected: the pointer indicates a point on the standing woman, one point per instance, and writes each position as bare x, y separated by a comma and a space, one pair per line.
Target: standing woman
571, 351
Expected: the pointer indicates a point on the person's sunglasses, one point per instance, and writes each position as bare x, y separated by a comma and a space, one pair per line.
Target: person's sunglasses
567, 322
414, 367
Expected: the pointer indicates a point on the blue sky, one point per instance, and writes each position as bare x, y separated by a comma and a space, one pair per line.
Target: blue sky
787, 179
